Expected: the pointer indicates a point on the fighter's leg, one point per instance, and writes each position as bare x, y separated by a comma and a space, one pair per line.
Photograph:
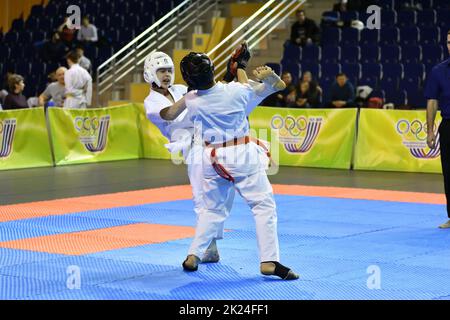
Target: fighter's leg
257, 191
195, 173
210, 219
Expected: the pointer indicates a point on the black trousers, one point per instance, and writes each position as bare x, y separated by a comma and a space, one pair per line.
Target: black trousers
444, 132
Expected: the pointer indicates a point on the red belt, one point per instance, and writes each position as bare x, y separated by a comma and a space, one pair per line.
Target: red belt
220, 170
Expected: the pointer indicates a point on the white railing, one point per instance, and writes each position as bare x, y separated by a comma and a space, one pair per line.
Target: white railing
167, 29
254, 29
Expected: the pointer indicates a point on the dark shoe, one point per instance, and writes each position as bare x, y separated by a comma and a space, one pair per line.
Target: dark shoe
212, 254
191, 263
273, 268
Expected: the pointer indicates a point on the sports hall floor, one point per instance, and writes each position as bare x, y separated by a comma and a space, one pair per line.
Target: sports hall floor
120, 230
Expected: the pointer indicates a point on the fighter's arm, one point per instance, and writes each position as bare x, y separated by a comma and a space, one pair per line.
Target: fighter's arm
172, 112
432, 107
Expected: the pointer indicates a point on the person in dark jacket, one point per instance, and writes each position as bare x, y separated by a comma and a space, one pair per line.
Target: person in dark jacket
15, 99
304, 31
342, 93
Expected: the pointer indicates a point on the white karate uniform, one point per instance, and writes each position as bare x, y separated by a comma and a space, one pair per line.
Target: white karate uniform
219, 113
180, 134
78, 84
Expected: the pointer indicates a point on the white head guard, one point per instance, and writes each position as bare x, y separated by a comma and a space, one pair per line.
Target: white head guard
155, 61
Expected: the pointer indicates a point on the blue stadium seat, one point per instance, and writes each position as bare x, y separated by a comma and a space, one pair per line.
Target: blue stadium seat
389, 83
311, 53
329, 71
18, 25
406, 18
432, 54
426, 18
38, 68
392, 70
388, 18
275, 67
352, 70
390, 53
331, 15
411, 54
330, 54
386, 4
46, 24
312, 67
389, 35
427, 4
430, 35
443, 19
370, 81
370, 37
330, 36
349, 15
12, 37
350, 36
26, 37
409, 35
40, 35
441, 4
397, 97
370, 53
416, 70
371, 70
350, 54
23, 68
416, 99
291, 52
409, 85
51, 10
37, 10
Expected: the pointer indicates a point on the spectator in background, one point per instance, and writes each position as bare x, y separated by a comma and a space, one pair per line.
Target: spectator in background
285, 98
348, 5
55, 90
313, 85
306, 97
342, 93
88, 32
84, 62
15, 99
67, 32
340, 6
54, 50
304, 31
5, 87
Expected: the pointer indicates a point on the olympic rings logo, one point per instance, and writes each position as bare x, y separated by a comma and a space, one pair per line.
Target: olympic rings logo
417, 128
87, 125
291, 125
4, 123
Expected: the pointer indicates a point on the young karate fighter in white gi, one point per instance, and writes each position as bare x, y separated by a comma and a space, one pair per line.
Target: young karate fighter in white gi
230, 160
78, 83
159, 73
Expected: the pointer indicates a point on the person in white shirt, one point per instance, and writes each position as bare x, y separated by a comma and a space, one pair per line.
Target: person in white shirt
87, 32
230, 161
78, 84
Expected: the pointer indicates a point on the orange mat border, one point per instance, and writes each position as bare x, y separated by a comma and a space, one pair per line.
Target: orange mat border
174, 193
93, 241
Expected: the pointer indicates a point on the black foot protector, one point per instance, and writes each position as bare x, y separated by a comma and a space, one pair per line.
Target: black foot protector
191, 263
279, 270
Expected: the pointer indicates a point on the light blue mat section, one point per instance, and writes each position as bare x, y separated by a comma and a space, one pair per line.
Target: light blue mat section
330, 242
